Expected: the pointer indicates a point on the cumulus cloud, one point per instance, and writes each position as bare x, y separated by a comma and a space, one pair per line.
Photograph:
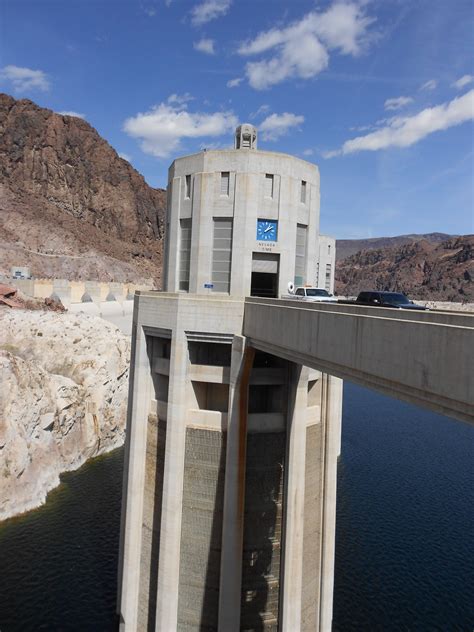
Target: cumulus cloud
429, 85
233, 83
209, 10
161, 129
71, 113
277, 125
397, 102
205, 46
23, 79
308, 152
463, 81
301, 50
405, 131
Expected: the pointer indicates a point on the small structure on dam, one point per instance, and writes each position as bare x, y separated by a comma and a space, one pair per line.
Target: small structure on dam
230, 477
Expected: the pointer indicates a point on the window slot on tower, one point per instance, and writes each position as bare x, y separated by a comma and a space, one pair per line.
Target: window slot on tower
303, 192
187, 189
184, 254
269, 185
225, 181
300, 253
222, 254
328, 277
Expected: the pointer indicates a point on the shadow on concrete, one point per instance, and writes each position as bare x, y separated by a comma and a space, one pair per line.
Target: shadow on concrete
210, 603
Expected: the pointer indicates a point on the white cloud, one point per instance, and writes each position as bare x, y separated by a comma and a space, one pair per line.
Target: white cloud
429, 85
301, 50
23, 79
180, 99
277, 125
308, 152
209, 10
408, 130
205, 46
71, 113
161, 129
263, 109
397, 102
233, 83
124, 156
463, 81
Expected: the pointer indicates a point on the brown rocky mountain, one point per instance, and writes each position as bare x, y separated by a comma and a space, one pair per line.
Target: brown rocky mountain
422, 269
347, 247
69, 205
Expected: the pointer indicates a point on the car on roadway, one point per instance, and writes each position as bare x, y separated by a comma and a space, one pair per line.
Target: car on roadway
396, 300
313, 295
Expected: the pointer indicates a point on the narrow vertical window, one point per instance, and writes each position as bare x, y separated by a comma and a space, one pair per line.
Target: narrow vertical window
222, 254
303, 192
300, 258
184, 254
187, 190
269, 185
225, 181
328, 277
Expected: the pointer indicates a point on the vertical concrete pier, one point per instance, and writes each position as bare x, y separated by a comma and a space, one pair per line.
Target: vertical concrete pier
229, 490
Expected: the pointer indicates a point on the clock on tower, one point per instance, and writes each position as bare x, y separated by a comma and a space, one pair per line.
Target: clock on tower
267, 230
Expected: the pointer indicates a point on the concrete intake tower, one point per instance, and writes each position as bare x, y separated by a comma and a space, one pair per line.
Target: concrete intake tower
228, 518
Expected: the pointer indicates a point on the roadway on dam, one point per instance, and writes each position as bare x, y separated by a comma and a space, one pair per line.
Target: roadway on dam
425, 357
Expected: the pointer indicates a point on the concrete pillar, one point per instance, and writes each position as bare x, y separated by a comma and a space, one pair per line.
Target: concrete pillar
292, 575
140, 394
234, 493
170, 534
62, 289
332, 413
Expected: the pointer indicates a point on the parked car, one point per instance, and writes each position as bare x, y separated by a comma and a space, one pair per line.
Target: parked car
396, 300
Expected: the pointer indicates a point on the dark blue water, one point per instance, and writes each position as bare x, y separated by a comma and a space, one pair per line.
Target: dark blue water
404, 549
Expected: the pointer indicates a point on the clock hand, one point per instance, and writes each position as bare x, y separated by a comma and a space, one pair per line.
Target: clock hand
267, 229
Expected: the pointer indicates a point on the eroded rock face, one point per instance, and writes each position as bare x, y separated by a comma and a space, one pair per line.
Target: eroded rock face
63, 399
70, 207
423, 270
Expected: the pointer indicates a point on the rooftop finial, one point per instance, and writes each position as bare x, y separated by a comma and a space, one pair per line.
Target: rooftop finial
246, 137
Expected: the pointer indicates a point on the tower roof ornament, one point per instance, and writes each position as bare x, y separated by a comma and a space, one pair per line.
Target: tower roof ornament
246, 137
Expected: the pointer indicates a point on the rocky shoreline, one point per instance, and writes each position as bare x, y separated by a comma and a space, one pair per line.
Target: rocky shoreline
63, 399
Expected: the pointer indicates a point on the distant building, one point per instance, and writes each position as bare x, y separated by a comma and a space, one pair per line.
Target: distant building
325, 263
20, 272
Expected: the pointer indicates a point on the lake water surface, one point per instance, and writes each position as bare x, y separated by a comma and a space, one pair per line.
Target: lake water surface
404, 545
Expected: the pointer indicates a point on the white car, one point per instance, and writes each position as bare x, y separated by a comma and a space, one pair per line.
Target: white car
312, 294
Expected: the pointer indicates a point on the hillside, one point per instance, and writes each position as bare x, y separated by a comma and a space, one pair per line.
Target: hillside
347, 247
69, 205
423, 270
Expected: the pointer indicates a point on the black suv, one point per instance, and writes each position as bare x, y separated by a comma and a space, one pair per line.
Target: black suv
387, 299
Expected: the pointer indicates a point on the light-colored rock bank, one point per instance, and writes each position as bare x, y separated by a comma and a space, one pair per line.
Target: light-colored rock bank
63, 399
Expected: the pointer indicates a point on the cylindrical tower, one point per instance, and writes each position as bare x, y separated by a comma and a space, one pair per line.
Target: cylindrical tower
241, 221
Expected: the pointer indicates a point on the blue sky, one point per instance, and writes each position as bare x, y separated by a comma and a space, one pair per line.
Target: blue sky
379, 94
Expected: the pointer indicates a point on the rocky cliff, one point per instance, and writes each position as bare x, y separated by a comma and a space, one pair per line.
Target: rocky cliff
347, 247
68, 199
63, 399
423, 270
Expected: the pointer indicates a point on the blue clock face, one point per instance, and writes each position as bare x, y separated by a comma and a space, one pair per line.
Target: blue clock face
267, 230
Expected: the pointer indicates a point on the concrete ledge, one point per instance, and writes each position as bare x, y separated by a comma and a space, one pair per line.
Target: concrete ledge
208, 373
210, 419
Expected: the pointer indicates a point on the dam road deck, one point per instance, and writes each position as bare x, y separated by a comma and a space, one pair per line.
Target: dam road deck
426, 358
